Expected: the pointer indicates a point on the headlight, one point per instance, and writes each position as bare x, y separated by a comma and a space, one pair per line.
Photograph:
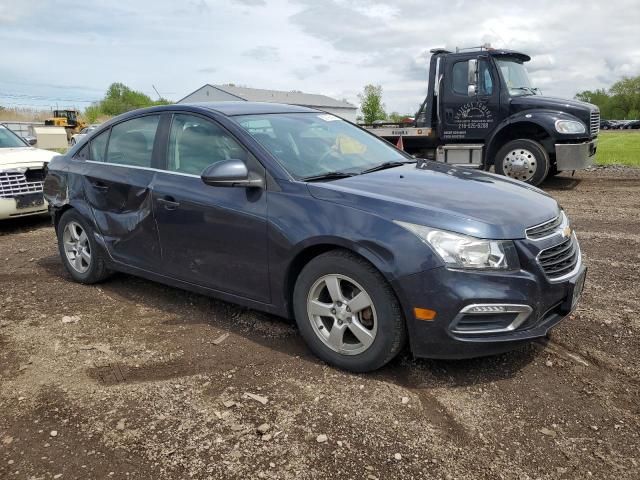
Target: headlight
570, 126
461, 251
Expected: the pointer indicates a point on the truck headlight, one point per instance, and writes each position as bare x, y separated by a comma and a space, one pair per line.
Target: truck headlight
570, 126
461, 251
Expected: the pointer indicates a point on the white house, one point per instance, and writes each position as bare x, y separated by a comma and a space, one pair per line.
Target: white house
226, 93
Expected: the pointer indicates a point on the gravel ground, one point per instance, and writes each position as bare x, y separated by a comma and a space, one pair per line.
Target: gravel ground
131, 379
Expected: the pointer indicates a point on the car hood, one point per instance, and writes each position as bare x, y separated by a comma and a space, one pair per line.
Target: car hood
437, 195
24, 157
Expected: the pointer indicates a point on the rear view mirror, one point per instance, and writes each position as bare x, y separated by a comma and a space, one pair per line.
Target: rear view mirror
472, 77
30, 140
230, 173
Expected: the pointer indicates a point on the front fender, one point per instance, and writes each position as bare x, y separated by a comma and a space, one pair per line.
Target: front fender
540, 120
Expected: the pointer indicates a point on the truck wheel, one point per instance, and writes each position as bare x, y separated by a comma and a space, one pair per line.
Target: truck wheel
524, 160
347, 312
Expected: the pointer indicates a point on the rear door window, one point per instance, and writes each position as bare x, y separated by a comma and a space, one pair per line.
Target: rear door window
98, 146
131, 142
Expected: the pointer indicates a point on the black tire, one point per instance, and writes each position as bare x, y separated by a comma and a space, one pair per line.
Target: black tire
533, 152
97, 270
391, 333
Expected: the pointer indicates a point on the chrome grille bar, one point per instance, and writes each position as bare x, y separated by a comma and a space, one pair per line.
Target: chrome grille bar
595, 123
15, 183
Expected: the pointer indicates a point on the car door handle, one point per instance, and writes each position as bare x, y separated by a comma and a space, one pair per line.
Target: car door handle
169, 203
103, 187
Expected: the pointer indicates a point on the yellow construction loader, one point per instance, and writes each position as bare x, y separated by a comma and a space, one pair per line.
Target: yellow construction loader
69, 119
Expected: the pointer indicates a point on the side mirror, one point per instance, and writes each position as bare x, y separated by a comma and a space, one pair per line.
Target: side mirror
230, 173
472, 79
30, 140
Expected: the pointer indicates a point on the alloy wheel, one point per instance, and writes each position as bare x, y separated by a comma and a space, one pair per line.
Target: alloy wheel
77, 247
342, 314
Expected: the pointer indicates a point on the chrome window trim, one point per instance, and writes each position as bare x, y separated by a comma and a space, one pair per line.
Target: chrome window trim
142, 168
524, 311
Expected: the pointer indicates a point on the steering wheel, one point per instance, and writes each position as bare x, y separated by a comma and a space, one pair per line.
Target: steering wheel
329, 153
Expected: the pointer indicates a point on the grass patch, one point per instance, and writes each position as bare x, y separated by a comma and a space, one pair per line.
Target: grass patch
622, 148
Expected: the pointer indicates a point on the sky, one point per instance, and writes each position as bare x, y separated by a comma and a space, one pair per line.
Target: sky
66, 53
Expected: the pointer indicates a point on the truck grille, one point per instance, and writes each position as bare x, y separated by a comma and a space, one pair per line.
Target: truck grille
595, 123
561, 259
16, 183
544, 229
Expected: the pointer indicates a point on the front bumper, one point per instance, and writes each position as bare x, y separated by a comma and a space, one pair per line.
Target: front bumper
448, 292
8, 209
575, 156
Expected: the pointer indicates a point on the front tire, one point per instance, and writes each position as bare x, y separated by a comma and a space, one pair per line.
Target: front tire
347, 312
80, 253
524, 160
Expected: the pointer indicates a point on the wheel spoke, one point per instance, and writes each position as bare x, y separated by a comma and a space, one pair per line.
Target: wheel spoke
319, 308
74, 232
77, 262
82, 239
69, 246
336, 336
333, 285
361, 333
359, 302
85, 255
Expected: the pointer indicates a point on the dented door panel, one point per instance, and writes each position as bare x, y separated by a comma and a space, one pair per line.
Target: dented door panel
121, 202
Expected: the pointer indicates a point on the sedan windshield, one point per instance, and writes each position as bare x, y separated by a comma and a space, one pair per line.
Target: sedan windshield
516, 77
319, 145
8, 139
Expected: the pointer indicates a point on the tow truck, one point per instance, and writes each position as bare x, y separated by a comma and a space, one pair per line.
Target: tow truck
482, 111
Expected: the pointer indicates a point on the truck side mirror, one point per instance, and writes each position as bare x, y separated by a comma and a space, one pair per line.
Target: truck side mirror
472, 77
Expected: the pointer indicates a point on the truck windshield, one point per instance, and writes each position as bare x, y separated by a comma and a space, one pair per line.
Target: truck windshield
516, 77
316, 144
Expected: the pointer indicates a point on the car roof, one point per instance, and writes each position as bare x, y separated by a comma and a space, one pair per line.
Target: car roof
250, 108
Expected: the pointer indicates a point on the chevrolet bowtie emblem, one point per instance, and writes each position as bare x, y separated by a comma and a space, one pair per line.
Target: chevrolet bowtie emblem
566, 232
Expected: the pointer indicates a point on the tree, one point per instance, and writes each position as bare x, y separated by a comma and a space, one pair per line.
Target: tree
371, 104
120, 99
621, 101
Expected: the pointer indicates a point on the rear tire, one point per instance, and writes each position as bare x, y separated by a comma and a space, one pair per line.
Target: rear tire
81, 255
343, 293
524, 160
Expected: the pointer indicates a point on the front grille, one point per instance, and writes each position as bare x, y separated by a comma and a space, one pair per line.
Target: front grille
16, 183
544, 229
595, 123
560, 259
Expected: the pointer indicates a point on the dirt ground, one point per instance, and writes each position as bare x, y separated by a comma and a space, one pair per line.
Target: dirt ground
129, 379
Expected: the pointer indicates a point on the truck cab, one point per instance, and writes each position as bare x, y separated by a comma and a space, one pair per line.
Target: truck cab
482, 110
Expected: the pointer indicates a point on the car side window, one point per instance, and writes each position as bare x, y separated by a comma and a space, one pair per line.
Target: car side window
97, 147
460, 75
195, 143
131, 142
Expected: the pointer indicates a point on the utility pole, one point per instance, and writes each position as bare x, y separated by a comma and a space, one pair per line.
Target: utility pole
159, 96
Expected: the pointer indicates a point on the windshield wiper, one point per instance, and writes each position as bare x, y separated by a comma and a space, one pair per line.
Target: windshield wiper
526, 89
328, 176
385, 165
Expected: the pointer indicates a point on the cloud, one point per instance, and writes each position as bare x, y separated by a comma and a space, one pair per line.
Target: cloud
332, 47
263, 53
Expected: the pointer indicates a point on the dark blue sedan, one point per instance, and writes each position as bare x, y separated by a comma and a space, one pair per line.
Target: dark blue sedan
296, 212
